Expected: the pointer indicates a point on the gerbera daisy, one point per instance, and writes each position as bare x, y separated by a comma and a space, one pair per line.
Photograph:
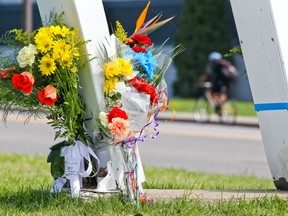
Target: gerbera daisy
64, 31
43, 42
47, 65
56, 29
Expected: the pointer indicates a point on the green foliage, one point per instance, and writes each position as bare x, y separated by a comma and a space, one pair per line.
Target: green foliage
235, 51
203, 28
21, 36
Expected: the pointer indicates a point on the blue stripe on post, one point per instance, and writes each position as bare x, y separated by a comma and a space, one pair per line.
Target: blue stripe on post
270, 106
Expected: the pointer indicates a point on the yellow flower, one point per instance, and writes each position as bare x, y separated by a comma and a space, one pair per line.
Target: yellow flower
75, 51
64, 31
74, 69
125, 67
43, 41
45, 31
47, 65
59, 49
56, 30
66, 60
110, 84
111, 69
119, 67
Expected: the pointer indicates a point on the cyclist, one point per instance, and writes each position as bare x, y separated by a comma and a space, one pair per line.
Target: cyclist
220, 73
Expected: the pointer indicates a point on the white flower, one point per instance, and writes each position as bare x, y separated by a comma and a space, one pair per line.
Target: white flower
103, 119
26, 56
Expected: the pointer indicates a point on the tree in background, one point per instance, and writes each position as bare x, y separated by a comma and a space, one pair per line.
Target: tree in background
203, 28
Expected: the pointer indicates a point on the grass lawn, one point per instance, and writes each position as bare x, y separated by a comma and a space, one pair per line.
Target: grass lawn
25, 181
186, 105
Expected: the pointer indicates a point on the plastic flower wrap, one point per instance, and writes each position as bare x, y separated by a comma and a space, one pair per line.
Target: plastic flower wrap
134, 93
38, 76
134, 81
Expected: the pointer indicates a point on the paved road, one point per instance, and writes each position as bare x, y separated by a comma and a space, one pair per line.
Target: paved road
208, 148
200, 147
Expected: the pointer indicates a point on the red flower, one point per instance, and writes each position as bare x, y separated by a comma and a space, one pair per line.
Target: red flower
23, 82
139, 49
145, 88
116, 112
151, 91
142, 39
48, 95
130, 42
136, 82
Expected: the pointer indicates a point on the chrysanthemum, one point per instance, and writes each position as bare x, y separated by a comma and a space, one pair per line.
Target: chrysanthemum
148, 63
43, 42
111, 69
120, 66
125, 67
110, 84
47, 65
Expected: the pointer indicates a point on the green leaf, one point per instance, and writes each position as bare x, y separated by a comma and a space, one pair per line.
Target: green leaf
59, 145
57, 167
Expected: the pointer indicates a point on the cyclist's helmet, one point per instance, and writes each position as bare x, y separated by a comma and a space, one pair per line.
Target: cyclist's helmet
215, 56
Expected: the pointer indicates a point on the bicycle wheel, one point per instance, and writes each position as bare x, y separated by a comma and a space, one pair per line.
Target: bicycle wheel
202, 110
229, 112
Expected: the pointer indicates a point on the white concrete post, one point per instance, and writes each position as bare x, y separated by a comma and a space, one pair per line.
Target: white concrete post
263, 34
89, 17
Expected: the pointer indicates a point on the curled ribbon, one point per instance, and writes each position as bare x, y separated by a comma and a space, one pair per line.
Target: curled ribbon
75, 157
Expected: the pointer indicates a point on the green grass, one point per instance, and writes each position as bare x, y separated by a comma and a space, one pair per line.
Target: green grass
25, 181
186, 105
183, 179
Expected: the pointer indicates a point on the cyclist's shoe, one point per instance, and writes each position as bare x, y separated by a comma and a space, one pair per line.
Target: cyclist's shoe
218, 110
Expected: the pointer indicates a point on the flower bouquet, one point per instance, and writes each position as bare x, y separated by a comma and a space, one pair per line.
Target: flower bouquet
39, 77
134, 93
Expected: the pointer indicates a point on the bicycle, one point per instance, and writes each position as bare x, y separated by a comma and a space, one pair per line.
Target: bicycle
204, 108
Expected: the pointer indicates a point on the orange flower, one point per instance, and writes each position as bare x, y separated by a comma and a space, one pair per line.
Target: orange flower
23, 82
48, 95
6, 73
119, 127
